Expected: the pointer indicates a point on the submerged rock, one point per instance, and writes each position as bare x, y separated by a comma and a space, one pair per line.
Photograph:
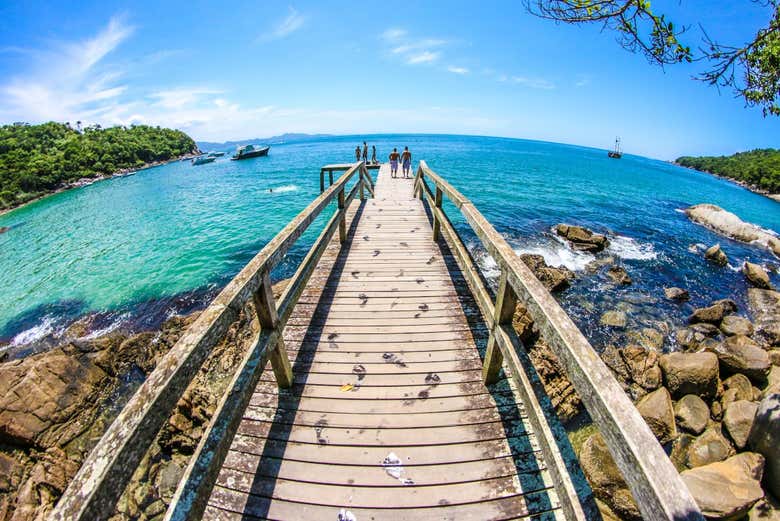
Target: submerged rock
716, 255
728, 224
727, 490
614, 318
582, 238
678, 294
756, 275
619, 275
690, 373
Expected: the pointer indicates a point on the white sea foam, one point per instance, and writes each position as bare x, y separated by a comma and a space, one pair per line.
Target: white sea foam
629, 249
113, 326
42, 330
559, 254
284, 189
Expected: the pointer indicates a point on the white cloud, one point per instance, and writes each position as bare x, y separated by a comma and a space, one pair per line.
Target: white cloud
413, 51
423, 57
457, 70
285, 27
180, 97
582, 81
534, 83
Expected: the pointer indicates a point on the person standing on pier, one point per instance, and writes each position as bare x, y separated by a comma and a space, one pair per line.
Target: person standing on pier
373, 154
406, 161
357, 153
365, 152
394, 156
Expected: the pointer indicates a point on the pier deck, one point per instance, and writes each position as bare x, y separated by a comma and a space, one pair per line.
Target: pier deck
385, 363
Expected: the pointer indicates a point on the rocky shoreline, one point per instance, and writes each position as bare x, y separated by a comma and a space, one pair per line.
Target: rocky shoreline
86, 181
711, 400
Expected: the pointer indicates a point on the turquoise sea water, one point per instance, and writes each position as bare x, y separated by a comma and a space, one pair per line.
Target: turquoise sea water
134, 250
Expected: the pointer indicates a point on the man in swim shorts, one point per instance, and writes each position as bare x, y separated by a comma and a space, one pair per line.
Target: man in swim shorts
365, 152
394, 156
406, 160
357, 153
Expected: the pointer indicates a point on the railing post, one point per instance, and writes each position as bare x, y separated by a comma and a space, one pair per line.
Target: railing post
322, 180
343, 219
436, 221
506, 301
330, 177
362, 182
269, 318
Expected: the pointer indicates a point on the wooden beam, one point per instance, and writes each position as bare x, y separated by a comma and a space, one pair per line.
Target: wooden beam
506, 302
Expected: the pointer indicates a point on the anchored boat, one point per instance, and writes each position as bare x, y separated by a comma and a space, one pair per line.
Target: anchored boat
202, 160
616, 153
216, 154
249, 151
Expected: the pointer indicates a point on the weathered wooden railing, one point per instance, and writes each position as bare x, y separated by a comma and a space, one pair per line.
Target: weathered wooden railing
653, 480
340, 168
102, 478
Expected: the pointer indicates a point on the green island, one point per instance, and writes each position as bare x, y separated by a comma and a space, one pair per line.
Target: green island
39, 159
758, 169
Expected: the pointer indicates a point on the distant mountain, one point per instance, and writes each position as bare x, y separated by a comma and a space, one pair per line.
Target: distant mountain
274, 140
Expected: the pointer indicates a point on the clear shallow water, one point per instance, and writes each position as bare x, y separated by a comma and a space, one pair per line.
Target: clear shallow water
140, 248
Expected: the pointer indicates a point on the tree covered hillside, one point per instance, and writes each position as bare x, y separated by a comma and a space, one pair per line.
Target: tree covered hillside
36, 159
759, 168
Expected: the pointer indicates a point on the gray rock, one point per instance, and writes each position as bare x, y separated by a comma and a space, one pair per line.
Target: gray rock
727, 490
708, 448
648, 338
692, 413
738, 420
677, 294
614, 318
690, 373
730, 225
582, 238
735, 325
716, 255
657, 410
714, 313
765, 439
756, 275
765, 307
739, 354
554, 279
642, 366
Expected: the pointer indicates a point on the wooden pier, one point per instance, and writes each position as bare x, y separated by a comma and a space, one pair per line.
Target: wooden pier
399, 389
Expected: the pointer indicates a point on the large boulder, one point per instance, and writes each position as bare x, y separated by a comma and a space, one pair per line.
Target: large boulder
690, 373
765, 439
738, 420
740, 354
605, 478
728, 224
756, 275
692, 413
727, 490
554, 279
714, 313
765, 307
582, 238
658, 411
642, 366
708, 448
735, 325
716, 255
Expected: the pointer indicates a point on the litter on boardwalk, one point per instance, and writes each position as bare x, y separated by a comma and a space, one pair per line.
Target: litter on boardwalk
346, 515
395, 469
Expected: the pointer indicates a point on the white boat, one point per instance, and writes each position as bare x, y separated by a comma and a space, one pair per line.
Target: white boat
202, 160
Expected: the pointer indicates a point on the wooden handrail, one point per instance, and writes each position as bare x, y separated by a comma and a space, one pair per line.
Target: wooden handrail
99, 483
651, 477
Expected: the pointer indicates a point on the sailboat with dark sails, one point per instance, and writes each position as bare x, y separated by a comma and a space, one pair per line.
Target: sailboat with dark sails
617, 153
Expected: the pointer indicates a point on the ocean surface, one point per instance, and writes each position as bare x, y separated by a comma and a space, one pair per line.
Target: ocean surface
133, 251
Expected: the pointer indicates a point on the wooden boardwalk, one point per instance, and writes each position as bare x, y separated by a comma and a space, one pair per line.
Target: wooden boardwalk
388, 409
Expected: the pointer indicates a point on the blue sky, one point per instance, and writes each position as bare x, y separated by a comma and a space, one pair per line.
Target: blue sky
253, 69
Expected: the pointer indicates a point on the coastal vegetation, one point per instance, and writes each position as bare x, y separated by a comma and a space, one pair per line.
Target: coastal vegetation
38, 159
757, 168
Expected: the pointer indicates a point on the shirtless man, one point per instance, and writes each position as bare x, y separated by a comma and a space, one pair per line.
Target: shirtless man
365, 152
357, 153
373, 154
394, 157
406, 161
